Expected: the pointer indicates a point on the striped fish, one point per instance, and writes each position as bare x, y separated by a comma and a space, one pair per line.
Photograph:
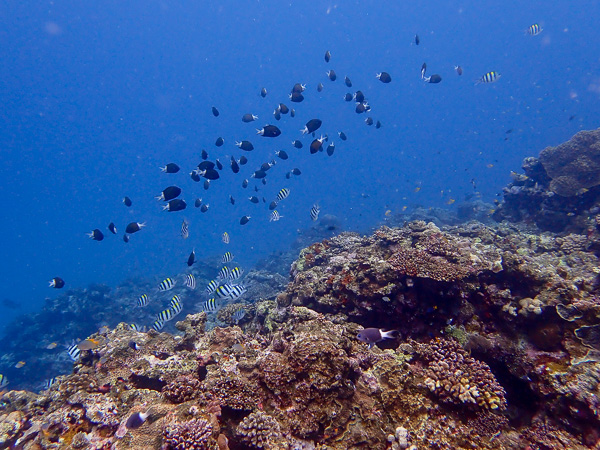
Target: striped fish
229, 291
212, 287
275, 216
209, 305
227, 257
534, 29
166, 315
73, 351
190, 281
314, 212
3, 381
176, 308
175, 300
225, 238
136, 327
283, 194
185, 231
235, 273
238, 315
224, 273
48, 383
166, 285
142, 300
490, 77
158, 325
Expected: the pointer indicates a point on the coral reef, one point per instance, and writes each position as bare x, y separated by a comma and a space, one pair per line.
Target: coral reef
194, 434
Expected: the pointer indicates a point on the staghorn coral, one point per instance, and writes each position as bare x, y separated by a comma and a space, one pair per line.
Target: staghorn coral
195, 434
259, 430
458, 378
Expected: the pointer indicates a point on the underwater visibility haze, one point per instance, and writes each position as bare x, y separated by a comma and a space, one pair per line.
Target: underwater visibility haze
98, 98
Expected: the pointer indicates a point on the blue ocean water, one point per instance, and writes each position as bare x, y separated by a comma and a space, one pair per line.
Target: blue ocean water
97, 96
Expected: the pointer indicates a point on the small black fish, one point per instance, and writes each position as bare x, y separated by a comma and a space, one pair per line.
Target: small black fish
312, 126
347, 82
133, 345
206, 184
57, 283
170, 168
253, 199
292, 112
204, 154
125, 238
296, 171
359, 97
348, 97
210, 174
244, 220
298, 87
288, 175
134, 227
362, 107
327, 56
198, 203
459, 70
127, 201
259, 174
243, 160
112, 228
255, 188
331, 75
235, 168
263, 92
378, 125
277, 114
342, 135
296, 97
330, 149
369, 121
247, 118
245, 145
194, 175
192, 258
264, 181
317, 145
219, 142
96, 235
417, 40
283, 108
245, 183
433, 79
384, 77
219, 165
297, 144
272, 205
319, 87
215, 112
169, 193
282, 154
175, 205
205, 165
231, 200
269, 131
266, 166
204, 207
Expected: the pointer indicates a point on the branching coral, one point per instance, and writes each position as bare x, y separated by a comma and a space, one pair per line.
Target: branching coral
194, 434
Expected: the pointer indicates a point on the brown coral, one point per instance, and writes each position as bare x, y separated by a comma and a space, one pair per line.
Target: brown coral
182, 389
194, 434
259, 430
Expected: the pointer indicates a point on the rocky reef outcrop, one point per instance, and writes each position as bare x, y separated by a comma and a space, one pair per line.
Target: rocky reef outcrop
498, 347
558, 191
